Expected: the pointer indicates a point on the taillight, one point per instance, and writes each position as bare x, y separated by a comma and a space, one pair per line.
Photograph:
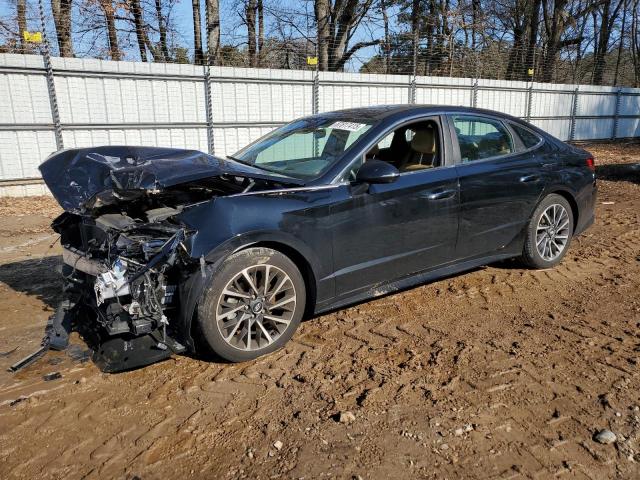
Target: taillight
591, 165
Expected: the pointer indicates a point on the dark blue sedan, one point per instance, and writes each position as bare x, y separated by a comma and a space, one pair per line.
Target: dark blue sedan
170, 250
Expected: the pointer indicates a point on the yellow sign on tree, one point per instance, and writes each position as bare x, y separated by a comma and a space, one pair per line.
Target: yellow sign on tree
530, 72
312, 60
33, 37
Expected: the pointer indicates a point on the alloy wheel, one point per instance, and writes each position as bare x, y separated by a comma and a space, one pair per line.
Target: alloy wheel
256, 307
552, 232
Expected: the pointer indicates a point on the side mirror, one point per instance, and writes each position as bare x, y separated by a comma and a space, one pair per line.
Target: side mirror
377, 171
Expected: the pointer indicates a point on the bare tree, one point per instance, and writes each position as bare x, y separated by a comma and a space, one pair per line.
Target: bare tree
213, 30
62, 18
162, 30
141, 33
254, 20
336, 23
635, 41
197, 33
621, 42
607, 14
250, 20
21, 10
386, 45
557, 18
110, 23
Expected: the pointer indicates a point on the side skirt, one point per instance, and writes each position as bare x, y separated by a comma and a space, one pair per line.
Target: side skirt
407, 282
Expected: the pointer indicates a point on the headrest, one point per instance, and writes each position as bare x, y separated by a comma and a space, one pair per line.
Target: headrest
373, 151
424, 141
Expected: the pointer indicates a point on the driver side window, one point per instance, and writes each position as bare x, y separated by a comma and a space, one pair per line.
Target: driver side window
410, 148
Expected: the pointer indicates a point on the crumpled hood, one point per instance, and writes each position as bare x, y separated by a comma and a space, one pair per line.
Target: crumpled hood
77, 176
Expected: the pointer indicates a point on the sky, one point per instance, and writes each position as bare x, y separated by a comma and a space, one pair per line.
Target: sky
233, 31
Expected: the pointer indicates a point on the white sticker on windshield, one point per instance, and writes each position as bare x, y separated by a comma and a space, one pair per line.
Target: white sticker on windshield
348, 126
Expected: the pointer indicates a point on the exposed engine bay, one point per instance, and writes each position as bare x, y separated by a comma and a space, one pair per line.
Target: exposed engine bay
125, 252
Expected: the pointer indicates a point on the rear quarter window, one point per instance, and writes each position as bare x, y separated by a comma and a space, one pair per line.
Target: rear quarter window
528, 138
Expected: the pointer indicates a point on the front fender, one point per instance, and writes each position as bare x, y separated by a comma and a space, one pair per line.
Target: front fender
191, 289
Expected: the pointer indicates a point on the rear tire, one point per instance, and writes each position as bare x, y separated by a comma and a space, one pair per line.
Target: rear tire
549, 233
252, 305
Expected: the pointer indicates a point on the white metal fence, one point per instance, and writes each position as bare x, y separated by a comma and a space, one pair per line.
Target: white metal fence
104, 102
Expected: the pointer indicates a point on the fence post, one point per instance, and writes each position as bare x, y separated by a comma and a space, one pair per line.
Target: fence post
474, 94
414, 73
574, 112
208, 106
529, 102
315, 107
208, 103
616, 115
51, 85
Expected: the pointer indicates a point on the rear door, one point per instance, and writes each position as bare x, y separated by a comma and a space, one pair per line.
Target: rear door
500, 184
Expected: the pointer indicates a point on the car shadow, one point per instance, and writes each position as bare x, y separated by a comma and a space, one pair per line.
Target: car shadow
619, 172
35, 277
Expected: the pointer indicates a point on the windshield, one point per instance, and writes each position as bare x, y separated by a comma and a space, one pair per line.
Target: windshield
304, 148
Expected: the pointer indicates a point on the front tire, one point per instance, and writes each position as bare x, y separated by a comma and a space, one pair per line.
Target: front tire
252, 305
549, 233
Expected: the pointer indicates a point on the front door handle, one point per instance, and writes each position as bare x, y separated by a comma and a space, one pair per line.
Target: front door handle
529, 178
442, 195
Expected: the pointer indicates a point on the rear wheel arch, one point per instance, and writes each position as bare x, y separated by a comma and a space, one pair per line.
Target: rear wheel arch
568, 196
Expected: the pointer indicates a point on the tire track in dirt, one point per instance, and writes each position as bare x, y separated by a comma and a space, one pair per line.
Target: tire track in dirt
498, 373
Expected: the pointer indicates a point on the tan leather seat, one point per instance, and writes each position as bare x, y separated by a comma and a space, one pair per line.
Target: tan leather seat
423, 151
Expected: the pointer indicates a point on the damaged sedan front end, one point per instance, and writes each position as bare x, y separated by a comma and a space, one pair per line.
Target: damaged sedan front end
121, 275
127, 255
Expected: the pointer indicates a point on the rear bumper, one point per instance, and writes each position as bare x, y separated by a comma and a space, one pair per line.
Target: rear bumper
584, 225
586, 201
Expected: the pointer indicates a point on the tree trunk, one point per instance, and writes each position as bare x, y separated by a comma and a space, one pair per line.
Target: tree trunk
342, 29
250, 19
323, 18
533, 18
621, 44
260, 30
635, 46
21, 7
415, 34
110, 23
141, 35
515, 54
213, 30
387, 38
197, 33
602, 44
62, 19
475, 10
607, 21
554, 25
162, 30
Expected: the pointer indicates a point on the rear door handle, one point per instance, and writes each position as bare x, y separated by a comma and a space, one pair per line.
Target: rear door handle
442, 195
529, 178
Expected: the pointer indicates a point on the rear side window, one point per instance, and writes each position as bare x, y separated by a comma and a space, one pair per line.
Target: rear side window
529, 139
480, 138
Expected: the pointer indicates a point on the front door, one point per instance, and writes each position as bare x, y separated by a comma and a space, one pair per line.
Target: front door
384, 232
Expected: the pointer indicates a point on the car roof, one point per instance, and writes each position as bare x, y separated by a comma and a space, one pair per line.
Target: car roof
381, 112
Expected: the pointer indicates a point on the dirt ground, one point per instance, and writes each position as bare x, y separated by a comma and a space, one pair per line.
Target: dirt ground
502, 372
